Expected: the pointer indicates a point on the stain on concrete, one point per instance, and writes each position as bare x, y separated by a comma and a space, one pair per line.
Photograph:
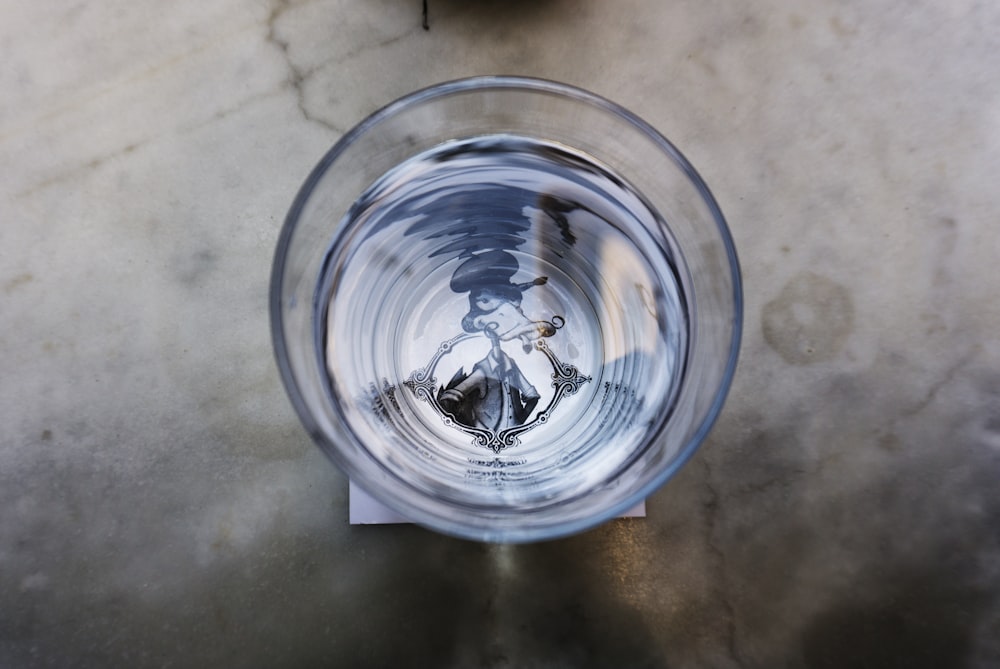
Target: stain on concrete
809, 320
12, 284
890, 442
192, 270
842, 29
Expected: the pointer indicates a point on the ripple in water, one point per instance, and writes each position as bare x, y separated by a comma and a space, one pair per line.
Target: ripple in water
502, 322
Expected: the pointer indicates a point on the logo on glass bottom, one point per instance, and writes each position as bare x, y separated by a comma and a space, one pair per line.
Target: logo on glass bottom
489, 396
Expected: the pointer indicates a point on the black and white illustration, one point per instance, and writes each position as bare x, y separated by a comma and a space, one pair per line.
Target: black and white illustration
490, 395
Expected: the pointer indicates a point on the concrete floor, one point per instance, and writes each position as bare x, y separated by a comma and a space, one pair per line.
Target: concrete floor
163, 507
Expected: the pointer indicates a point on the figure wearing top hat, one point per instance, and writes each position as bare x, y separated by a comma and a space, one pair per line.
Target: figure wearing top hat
494, 395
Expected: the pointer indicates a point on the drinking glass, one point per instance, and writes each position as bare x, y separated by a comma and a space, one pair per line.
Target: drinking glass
507, 308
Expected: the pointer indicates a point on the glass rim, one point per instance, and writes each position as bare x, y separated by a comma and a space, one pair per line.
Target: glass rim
290, 381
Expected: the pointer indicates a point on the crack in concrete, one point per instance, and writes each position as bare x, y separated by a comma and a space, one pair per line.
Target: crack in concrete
935, 388
99, 161
297, 75
353, 53
91, 164
711, 507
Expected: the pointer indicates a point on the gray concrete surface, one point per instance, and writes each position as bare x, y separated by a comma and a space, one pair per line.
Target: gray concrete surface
162, 506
